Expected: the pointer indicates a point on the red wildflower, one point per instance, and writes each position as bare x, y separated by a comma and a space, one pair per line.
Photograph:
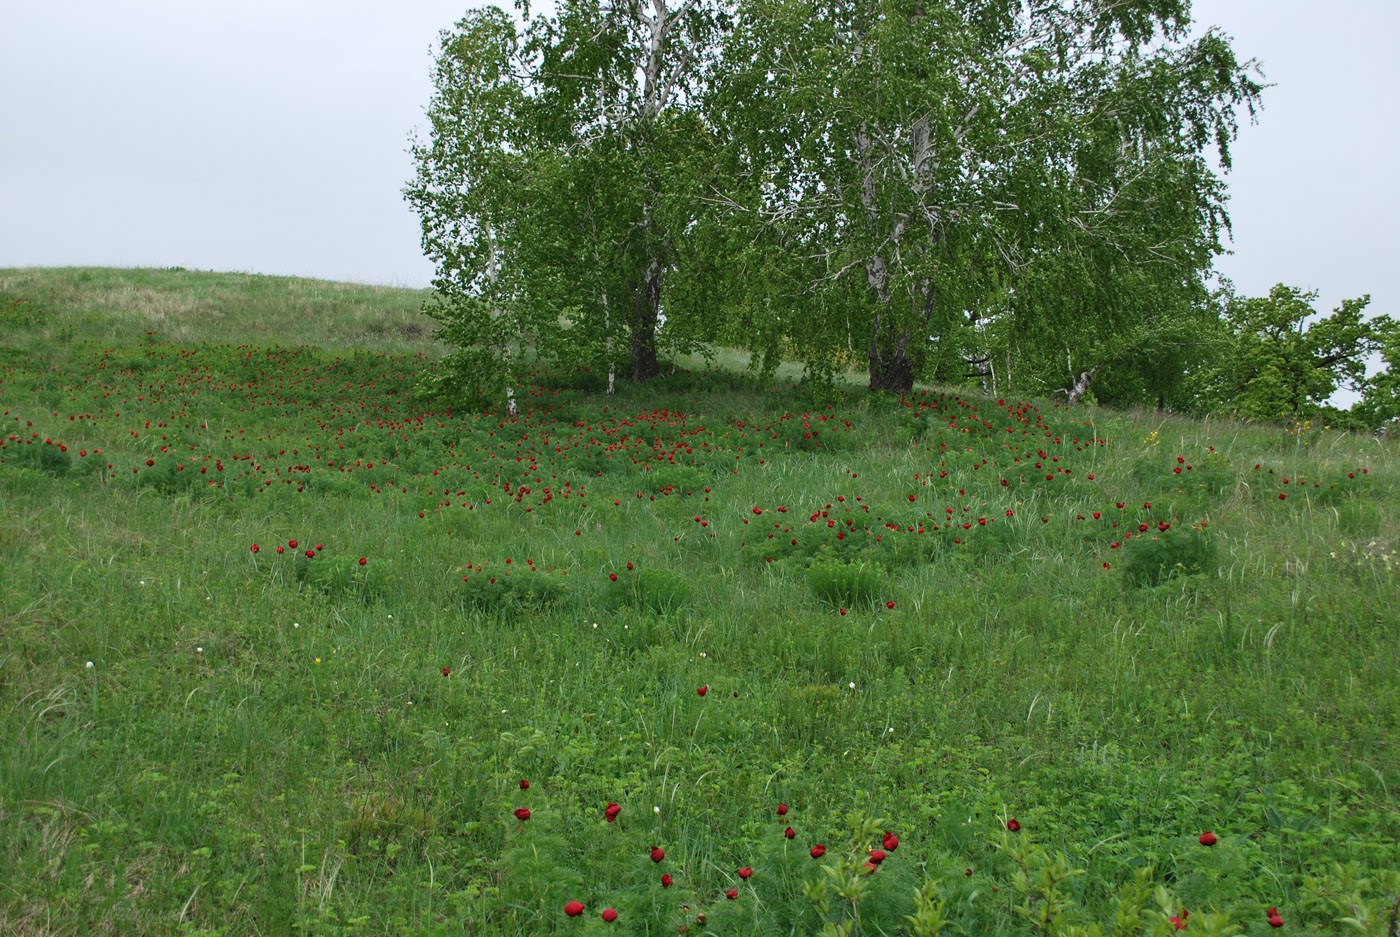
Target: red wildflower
782, 810
1275, 920
609, 915
1013, 825
611, 811
790, 833
574, 908
702, 689
612, 577
1179, 921
363, 561
666, 880
745, 872
253, 549
1208, 838
657, 854
877, 856
524, 784
889, 604
522, 814
732, 894
447, 671
891, 842
292, 544
818, 851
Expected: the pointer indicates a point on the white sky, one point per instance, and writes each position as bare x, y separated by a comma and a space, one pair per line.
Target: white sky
271, 136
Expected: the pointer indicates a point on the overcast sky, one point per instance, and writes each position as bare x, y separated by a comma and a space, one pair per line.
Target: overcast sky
270, 136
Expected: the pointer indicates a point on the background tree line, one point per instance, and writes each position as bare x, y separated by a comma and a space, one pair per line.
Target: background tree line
1028, 196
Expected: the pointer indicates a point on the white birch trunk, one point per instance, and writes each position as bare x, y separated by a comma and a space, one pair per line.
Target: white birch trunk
491, 270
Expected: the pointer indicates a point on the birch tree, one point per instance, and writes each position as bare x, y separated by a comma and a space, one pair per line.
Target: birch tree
940, 164
466, 170
557, 185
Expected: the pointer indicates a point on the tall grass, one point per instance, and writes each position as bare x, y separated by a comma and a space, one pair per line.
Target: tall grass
200, 737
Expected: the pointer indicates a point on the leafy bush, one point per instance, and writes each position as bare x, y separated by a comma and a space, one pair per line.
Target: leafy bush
44, 456
1175, 552
338, 576
508, 592
656, 590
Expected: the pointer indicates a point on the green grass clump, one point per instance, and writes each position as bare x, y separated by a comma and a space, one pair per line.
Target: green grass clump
1157, 556
1120, 630
845, 584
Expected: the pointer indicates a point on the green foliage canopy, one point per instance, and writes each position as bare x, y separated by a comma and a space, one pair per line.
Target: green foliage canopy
921, 169
1282, 361
917, 183
557, 184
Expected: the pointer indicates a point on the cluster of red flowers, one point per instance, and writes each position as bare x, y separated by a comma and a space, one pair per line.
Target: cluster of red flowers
295, 547
657, 854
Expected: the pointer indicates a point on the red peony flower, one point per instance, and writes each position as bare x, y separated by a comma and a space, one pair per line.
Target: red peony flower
1209, 839
702, 690
818, 851
732, 894
612, 577
292, 544
891, 842
611, 811
363, 561
790, 833
1013, 825
745, 872
1275, 920
524, 784
782, 810
254, 548
666, 880
1179, 921
447, 671
609, 915
657, 854
522, 814
877, 856
574, 908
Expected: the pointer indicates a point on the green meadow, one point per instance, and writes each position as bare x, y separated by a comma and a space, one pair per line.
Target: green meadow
288, 648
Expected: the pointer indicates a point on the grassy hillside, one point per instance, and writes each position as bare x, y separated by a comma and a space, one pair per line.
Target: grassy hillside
176, 305
282, 642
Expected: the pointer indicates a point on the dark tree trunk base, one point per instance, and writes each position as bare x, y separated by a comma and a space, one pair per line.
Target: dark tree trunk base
893, 370
646, 312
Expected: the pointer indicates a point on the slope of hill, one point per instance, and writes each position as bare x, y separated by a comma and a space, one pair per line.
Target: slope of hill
286, 647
